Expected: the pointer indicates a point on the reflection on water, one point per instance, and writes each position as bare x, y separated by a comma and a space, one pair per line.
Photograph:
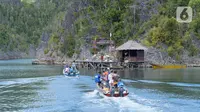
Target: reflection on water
24, 69
189, 75
132, 74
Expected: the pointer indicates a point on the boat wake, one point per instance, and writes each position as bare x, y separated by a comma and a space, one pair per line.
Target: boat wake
119, 104
69, 77
181, 84
184, 84
21, 81
92, 94
127, 105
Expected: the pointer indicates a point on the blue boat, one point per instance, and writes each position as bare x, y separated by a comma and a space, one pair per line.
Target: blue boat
71, 74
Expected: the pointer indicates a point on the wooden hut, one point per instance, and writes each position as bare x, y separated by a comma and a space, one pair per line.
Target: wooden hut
131, 51
103, 42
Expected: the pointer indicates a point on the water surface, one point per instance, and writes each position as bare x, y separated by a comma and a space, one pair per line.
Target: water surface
43, 88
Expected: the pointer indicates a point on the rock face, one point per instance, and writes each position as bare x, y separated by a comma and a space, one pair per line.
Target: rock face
52, 57
18, 54
42, 46
156, 56
32, 51
12, 55
190, 60
85, 53
153, 55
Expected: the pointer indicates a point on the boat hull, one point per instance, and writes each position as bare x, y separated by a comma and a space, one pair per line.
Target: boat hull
71, 74
155, 66
116, 95
106, 92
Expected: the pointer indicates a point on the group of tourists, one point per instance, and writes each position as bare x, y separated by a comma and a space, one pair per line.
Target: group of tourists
108, 79
71, 70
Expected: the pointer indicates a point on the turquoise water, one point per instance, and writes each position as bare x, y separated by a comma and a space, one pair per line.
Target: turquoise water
43, 88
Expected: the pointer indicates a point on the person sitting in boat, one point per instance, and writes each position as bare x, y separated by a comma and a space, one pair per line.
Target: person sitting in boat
71, 70
66, 66
115, 76
67, 70
120, 84
115, 83
98, 78
105, 75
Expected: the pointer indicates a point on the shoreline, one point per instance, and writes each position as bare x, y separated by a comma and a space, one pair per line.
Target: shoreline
52, 62
12, 58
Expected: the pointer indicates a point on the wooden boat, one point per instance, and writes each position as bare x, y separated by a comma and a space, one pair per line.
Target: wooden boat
116, 92
73, 74
156, 66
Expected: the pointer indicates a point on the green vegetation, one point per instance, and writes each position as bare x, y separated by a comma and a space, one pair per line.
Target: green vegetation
22, 25
177, 36
160, 29
69, 45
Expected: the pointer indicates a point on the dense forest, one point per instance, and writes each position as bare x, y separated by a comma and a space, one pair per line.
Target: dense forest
69, 24
22, 23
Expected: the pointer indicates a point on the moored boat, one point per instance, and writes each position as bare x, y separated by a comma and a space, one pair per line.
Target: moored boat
156, 66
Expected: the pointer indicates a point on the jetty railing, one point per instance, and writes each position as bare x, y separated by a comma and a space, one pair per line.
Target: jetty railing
111, 64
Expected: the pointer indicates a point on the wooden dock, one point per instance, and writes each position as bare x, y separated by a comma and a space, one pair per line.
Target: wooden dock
105, 64
101, 64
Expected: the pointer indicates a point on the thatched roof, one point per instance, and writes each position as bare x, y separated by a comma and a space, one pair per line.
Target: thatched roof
131, 45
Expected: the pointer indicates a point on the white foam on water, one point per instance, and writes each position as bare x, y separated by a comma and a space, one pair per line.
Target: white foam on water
191, 89
126, 80
20, 81
91, 94
4, 83
184, 84
16, 82
170, 83
72, 77
120, 104
156, 101
102, 95
150, 81
128, 105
